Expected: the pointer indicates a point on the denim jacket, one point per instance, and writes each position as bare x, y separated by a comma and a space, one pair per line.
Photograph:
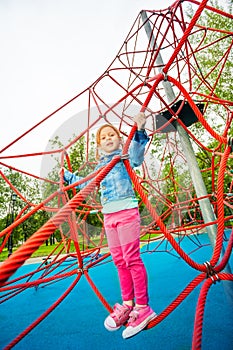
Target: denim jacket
117, 184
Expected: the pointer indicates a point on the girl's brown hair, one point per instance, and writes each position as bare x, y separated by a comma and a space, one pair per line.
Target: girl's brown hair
97, 137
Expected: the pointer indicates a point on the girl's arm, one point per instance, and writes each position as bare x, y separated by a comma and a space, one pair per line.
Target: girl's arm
70, 178
138, 144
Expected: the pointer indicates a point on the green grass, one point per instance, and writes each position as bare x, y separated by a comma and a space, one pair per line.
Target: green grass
42, 251
45, 250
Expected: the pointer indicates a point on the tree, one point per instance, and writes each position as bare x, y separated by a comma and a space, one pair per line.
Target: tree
11, 207
213, 63
82, 164
215, 67
210, 67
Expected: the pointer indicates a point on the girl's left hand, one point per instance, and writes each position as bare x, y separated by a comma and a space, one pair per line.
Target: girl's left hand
61, 171
140, 119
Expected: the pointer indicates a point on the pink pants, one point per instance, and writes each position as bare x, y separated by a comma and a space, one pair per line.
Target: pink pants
123, 230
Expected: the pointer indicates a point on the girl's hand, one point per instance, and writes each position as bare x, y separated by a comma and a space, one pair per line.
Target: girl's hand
140, 119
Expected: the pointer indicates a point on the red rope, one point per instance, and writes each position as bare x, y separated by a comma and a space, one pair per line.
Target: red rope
139, 91
10, 265
220, 191
185, 35
158, 220
97, 292
199, 315
44, 315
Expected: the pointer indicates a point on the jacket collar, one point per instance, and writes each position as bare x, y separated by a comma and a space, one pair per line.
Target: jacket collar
105, 156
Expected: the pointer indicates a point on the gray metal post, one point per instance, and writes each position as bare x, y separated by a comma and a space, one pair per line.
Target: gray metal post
200, 188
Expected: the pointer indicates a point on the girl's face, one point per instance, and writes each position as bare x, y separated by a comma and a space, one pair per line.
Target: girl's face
109, 140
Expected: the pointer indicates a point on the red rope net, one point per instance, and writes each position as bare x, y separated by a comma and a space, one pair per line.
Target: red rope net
159, 70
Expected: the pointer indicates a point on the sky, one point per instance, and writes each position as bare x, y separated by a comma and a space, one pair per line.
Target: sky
51, 50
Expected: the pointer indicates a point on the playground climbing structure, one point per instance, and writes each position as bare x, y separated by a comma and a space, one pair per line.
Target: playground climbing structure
166, 69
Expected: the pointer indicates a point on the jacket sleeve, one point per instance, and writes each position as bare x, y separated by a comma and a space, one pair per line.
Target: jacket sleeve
137, 148
70, 178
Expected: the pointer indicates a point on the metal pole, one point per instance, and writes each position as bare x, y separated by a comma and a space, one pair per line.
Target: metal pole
205, 205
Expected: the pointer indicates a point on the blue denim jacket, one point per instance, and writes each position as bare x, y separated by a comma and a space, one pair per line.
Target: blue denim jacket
117, 184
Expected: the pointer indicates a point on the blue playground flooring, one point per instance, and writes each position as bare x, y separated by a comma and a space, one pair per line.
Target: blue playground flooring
77, 323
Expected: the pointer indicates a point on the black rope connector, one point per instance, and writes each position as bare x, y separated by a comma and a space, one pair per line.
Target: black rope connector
230, 143
145, 81
165, 76
125, 156
211, 273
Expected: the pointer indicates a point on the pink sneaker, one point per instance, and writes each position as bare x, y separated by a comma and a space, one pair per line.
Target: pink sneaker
118, 317
139, 319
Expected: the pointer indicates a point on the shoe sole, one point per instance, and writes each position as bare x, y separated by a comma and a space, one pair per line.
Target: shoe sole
131, 331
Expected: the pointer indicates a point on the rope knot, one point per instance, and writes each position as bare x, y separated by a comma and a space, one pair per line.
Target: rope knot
210, 272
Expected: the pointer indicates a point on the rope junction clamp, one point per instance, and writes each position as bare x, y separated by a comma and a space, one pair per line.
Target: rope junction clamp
82, 270
210, 272
103, 116
165, 76
230, 143
125, 156
145, 81
60, 191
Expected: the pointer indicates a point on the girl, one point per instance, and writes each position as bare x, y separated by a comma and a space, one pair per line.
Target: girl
122, 227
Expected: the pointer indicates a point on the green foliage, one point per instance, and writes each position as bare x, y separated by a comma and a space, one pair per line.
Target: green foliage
205, 163
82, 160
212, 67
215, 67
11, 207
213, 62
28, 187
